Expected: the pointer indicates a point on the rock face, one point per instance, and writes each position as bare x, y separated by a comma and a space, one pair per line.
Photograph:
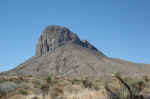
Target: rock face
59, 51
56, 36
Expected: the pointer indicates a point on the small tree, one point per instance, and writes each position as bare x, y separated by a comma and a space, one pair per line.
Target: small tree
126, 92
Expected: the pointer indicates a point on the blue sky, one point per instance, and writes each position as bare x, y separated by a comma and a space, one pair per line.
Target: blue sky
118, 28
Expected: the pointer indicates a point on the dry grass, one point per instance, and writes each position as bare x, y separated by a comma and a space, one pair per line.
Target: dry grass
86, 94
68, 88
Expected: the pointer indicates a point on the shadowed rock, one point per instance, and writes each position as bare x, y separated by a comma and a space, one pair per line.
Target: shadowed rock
56, 36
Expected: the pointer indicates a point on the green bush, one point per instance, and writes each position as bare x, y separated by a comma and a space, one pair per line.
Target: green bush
23, 92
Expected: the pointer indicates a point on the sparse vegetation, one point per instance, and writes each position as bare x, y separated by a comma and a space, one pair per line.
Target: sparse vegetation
23, 92
126, 91
6, 88
146, 78
75, 88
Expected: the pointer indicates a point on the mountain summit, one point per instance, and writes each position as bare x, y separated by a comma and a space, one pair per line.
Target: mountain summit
56, 36
60, 51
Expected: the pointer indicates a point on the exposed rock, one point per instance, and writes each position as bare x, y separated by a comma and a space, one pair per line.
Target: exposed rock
56, 36
86, 44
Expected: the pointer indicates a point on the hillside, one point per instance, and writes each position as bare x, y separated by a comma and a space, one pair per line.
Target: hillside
60, 51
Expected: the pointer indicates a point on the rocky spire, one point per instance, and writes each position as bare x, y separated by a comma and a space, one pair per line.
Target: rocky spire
56, 36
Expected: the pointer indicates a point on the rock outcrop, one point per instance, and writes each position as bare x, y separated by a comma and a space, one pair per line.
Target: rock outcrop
56, 36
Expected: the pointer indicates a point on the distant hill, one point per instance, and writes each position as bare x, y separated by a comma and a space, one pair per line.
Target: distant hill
59, 51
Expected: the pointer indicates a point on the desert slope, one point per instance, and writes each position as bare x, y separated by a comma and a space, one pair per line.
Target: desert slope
59, 51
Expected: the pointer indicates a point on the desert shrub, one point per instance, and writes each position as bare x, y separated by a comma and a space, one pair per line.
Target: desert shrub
116, 74
23, 92
87, 83
56, 92
1, 81
76, 81
37, 83
18, 81
49, 79
96, 86
35, 97
137, 87
146, 79
7, 87
127, 91
45, 90
24, 85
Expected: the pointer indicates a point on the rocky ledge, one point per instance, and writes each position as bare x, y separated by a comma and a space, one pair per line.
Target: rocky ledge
56, 36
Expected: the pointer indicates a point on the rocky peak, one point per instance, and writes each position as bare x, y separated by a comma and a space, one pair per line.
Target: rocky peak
56, 36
